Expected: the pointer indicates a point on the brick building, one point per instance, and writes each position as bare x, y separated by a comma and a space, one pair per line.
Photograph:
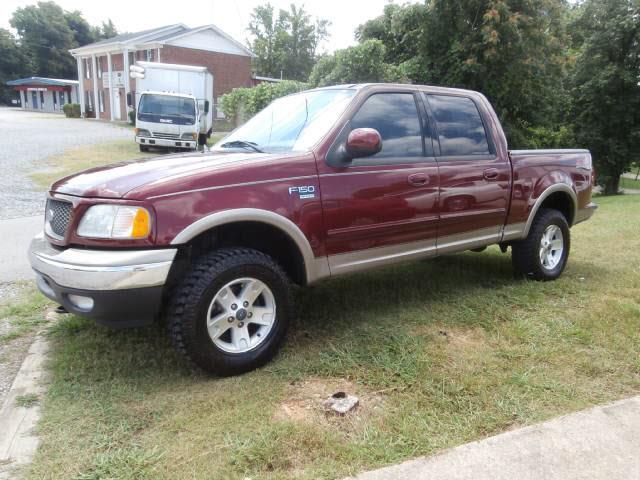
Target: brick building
208, 46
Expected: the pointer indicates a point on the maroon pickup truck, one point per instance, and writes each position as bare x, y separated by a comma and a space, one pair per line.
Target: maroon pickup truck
321, 183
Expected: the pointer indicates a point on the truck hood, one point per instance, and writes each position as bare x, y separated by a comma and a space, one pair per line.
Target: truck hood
164, 174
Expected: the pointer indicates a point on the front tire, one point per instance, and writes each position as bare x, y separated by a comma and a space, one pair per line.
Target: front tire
543, 254
230, 312
143, 148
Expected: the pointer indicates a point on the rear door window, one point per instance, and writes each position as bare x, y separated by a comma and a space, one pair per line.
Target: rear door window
460, 128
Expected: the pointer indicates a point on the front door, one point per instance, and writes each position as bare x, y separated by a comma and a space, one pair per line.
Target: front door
382, 208
116, 104
34, 100
474, 179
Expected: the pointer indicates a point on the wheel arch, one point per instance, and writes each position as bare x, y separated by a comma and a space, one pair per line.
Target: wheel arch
305, 269
559, 196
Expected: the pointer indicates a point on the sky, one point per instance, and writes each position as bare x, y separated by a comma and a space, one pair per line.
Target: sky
232, 16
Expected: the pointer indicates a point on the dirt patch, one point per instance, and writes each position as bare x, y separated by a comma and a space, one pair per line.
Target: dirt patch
304, 403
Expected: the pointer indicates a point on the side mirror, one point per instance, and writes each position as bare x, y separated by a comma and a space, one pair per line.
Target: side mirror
363, 142
206, 107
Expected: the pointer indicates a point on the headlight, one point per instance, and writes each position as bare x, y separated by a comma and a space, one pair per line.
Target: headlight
115, 221
141, 132
189, 136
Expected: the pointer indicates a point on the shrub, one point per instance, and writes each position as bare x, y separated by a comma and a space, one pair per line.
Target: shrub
242, 103
71, 110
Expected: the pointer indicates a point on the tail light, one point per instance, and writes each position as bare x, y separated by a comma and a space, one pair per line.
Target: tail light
584, 162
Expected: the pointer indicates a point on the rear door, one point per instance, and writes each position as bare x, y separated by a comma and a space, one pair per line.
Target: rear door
383, 208
474, 179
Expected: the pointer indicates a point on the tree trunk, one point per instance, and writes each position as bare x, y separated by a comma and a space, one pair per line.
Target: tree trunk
612, 185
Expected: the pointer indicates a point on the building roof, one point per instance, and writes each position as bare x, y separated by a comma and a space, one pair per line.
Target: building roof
152, 38
52, 82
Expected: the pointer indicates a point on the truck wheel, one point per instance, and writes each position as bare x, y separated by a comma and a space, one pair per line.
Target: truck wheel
231, 311
144, 148
543, 254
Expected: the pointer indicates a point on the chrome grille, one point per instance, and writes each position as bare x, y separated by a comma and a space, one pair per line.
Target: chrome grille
58, 216
168, 136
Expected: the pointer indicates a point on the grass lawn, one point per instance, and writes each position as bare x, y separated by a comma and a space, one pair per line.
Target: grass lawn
629, 183
80, 158
440, 352
21, 313
76, 159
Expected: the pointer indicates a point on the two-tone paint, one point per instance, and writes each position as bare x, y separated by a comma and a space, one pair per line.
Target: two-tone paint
358, 216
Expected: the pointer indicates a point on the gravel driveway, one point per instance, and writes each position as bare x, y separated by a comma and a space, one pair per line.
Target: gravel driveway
27, 139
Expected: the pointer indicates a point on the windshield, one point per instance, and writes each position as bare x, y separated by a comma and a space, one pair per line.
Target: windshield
290, 124
167, 109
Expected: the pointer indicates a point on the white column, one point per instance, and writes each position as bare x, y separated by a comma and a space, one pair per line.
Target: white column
127, 88
94, 74
158, 54
112, 105
23, 97
80, 90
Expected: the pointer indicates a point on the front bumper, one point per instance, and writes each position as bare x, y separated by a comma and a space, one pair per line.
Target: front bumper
164, 142
118, 287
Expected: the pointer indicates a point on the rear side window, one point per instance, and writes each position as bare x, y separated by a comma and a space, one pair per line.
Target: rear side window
460, 127
395, 117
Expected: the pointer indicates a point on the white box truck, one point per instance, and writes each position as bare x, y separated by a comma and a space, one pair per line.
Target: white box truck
174, 105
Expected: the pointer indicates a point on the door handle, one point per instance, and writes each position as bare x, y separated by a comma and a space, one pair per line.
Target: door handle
491, 174
418, 179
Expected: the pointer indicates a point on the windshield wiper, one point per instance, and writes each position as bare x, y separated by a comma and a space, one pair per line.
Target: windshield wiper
242, 144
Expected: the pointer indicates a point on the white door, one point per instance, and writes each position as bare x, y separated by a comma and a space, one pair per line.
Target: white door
117, 114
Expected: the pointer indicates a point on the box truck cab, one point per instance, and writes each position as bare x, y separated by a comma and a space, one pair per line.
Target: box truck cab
173, 105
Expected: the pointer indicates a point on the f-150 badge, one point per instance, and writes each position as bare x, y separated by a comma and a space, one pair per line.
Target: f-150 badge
306, 191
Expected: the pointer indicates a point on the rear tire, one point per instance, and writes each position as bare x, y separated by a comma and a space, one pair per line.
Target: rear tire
214, 320
543, 254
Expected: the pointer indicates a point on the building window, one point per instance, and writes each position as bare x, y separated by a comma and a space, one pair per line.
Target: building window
132, 58
55, 100
101, 100
150, 55
41, 99
99, 64
87, 68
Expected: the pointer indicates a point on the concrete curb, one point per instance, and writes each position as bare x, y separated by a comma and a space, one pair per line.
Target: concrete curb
18, 442
602, 443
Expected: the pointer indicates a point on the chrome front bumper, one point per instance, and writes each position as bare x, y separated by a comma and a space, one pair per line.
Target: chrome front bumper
164, 142
100, 269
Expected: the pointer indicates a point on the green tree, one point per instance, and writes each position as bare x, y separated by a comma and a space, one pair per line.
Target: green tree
83, 33
361, 63
47, 37
287, 43
13, 64
606, 95
511, 50
108, 29
401, 29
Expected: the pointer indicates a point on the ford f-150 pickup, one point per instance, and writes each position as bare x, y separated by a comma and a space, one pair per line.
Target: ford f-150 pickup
320, 183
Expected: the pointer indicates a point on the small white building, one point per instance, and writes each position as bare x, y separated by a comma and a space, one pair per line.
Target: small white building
45, 94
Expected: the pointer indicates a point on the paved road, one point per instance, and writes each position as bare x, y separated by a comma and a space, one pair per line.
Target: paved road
26, 140
602, 443
15, 236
